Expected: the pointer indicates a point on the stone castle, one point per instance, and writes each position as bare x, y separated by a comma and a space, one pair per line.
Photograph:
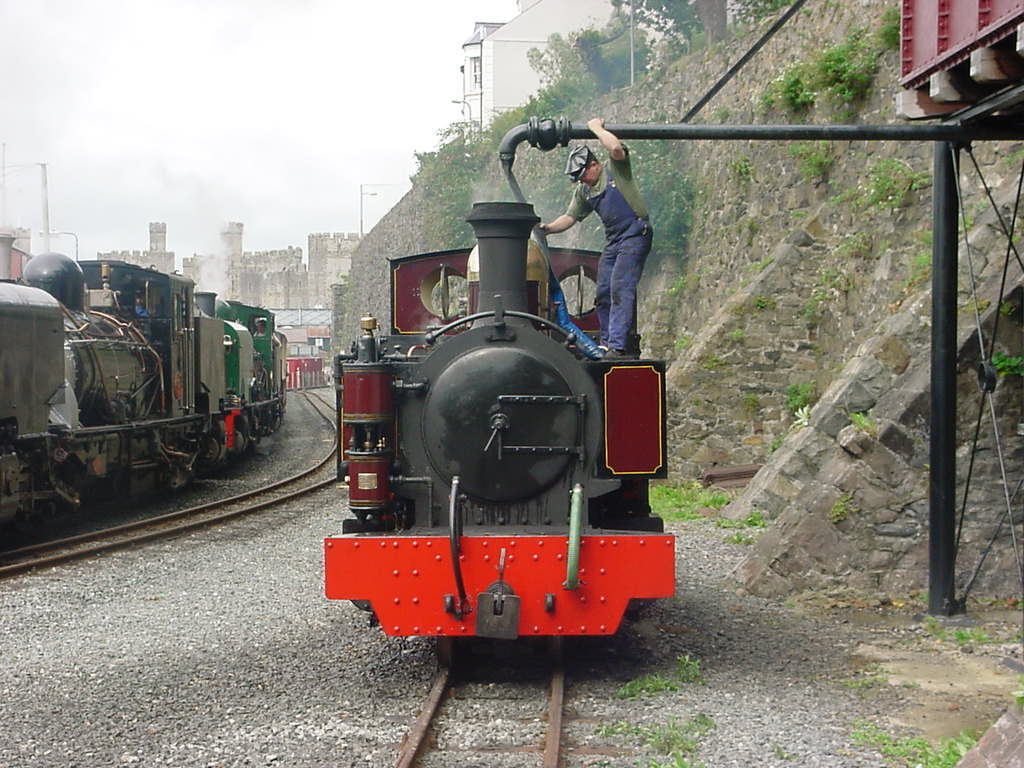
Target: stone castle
276, 279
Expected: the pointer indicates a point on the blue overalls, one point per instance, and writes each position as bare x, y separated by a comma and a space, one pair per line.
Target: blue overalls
627, 243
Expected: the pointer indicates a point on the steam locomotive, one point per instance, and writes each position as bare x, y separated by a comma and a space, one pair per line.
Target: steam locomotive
117, 381
497, 480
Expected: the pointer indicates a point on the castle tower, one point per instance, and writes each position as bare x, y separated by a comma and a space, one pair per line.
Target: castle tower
157, 237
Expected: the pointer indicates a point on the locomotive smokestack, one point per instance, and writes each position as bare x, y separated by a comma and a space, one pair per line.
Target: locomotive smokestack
207, 302
502, 231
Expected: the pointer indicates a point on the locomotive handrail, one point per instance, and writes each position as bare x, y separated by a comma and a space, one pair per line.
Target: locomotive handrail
455, 538
433, 336
572, 567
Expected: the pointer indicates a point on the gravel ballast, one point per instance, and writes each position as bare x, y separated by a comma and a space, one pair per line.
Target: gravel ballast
218, 649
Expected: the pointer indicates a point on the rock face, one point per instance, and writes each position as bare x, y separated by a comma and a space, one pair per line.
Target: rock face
1002, 746
797, 288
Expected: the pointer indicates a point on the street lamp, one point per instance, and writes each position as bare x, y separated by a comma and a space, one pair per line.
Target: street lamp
363, 194
465, 108
71, 234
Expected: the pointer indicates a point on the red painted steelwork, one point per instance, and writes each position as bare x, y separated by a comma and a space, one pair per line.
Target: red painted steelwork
405, 578
368, 481
411, 274
936, 35
229, 428
633, 421
367, 394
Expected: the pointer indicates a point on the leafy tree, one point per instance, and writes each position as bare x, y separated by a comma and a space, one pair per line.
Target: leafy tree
587, 62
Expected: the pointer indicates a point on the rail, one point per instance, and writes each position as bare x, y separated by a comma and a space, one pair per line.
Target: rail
163, 526
415, 742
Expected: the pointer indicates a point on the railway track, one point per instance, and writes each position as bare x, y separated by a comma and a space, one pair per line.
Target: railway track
417, 742
64, 550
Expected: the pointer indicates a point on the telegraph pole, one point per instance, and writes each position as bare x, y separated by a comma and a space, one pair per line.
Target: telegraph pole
46, 212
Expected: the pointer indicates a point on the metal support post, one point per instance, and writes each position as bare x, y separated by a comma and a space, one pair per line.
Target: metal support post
942, 450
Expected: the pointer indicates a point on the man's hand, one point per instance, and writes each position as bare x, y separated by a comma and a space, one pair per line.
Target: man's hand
608, 139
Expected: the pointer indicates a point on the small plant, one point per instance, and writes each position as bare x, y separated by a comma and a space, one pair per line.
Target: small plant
841, 509
1006, 309
798, 395
681, 502
688, 669
933, 627
845, 71
811, 310
748, 227
648, 685
872, 678
835, 279
971, 636
890, 182
683, 343
739, 538
743, 169
776, 443
816, 158
920, 269
794, 89
720, 114
763, 303
888, 33
712, 363
752, 403
856, 246
1018, 695
865, 423
1008, 366
737, 335
682, 283
802, 417
754, 520
782, 754
674, 738
915, 751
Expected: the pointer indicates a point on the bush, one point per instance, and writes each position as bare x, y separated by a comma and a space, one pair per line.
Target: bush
815, 158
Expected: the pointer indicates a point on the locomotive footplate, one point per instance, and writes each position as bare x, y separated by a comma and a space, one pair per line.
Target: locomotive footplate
406, 578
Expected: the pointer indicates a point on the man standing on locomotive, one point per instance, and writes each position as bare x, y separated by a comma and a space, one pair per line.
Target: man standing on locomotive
614, 195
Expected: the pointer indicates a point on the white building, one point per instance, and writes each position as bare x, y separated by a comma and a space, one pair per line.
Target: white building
496, 72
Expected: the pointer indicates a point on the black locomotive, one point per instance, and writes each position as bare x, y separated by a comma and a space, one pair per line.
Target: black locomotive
114, 384
497, 481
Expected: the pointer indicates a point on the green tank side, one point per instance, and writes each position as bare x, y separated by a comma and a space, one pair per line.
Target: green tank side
260, 323
237, 359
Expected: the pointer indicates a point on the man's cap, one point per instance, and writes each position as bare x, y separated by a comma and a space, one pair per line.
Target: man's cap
578, 161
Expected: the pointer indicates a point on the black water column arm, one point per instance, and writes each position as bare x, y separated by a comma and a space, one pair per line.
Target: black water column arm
546, 134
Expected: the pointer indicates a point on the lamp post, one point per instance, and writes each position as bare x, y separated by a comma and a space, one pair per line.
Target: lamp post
363, 194
46, 210
465, 108
71, 234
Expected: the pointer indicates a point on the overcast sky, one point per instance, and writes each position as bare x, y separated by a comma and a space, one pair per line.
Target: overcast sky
197, 112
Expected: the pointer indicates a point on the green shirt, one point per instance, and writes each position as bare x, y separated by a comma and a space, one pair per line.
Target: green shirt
579, 205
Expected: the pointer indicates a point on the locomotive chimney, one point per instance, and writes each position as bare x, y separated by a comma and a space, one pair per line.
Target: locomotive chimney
6, 243
502, 231
207, 302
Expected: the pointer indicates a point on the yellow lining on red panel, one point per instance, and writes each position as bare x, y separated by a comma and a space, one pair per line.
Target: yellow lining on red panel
394, 301
661, 417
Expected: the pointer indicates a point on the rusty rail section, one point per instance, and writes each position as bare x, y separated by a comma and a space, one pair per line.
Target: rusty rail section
416, 739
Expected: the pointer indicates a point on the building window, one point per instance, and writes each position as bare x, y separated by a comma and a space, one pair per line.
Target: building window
474, 73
